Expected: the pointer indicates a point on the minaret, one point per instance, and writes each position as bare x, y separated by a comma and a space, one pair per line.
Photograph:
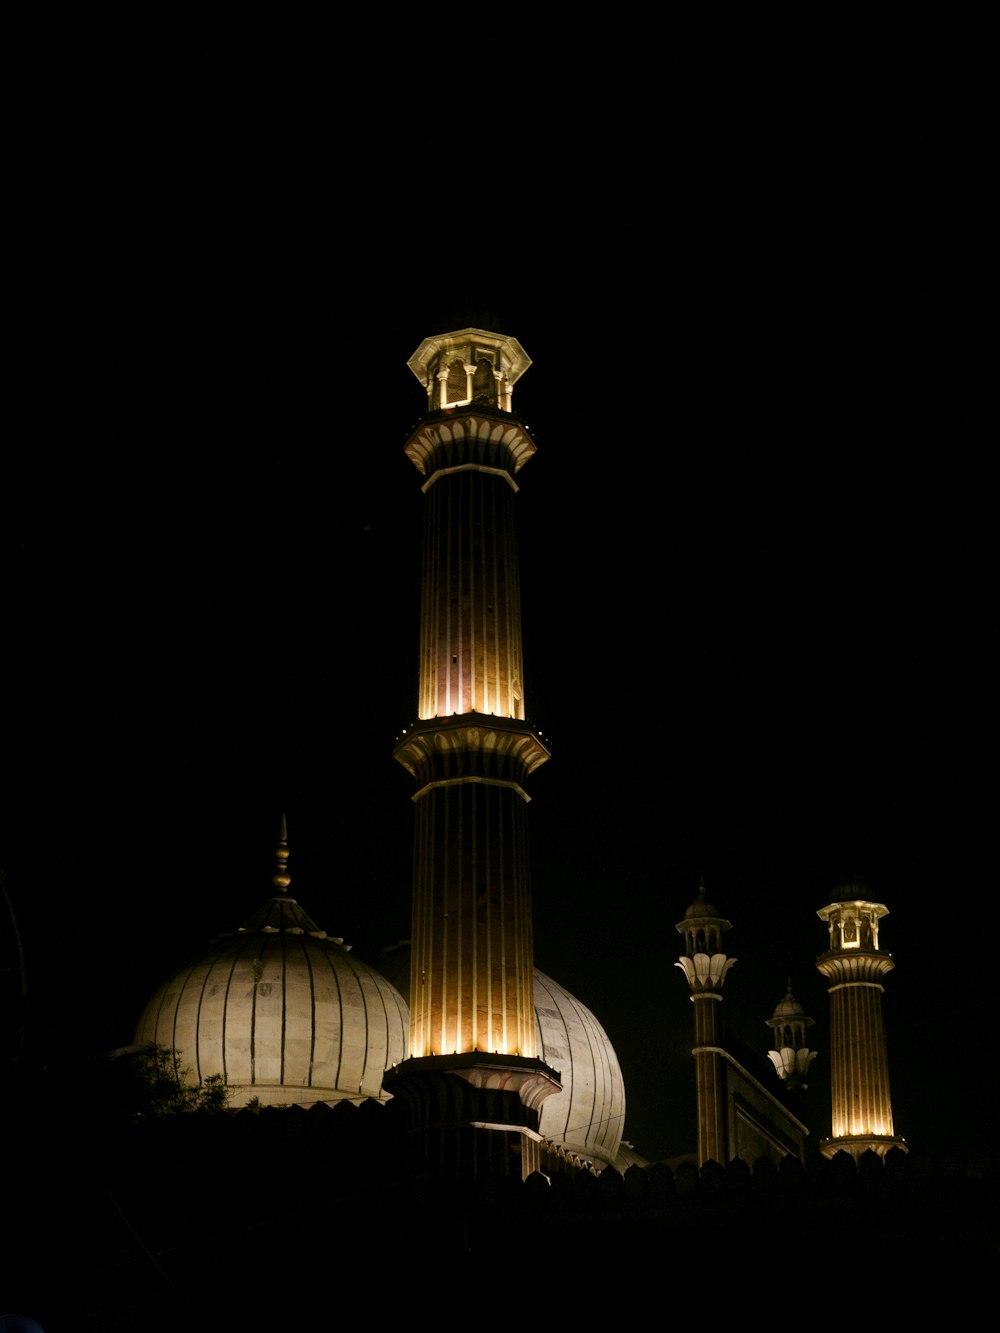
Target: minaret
472, 1014
792, 1057
705, 965
855, 966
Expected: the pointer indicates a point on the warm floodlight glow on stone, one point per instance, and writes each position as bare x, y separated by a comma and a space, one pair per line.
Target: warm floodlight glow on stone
469, 366
470, 621
861, 1112
471, 751
471, 982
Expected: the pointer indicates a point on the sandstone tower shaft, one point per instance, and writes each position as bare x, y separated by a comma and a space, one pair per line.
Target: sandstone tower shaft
470, 621
470, 752
705, 965
855, 966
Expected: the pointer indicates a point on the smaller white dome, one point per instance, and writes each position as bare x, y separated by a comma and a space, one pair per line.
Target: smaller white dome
588, 1116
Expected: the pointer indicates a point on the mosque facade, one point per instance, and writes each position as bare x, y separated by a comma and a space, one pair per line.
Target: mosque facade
459, 1025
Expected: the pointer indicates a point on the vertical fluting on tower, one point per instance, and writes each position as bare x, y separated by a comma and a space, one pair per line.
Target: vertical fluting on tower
861, 1109
471, 953
705, 964
471, 751
470, 622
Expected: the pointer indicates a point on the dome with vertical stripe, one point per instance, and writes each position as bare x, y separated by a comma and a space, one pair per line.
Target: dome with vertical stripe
282, 1011
587, 1117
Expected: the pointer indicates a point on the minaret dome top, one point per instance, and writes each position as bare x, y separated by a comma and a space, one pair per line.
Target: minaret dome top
469, 366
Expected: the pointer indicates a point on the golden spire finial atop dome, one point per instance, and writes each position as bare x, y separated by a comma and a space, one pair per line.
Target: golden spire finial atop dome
281, 878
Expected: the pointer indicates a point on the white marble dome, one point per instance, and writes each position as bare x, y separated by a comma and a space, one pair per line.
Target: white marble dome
588, 1116
283, 1011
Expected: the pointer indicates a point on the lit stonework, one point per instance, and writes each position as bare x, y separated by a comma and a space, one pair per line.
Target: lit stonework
472, 1012
471, 987
705, 964
855, 966
791, 1057
738, 1116
468, 366
469, 448
587, 1117
281, 1011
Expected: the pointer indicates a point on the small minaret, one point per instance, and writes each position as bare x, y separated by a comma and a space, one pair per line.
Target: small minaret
705, 965
472, 1011
793, 1056
855, 966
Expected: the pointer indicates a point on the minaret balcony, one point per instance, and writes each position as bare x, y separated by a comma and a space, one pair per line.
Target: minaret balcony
470, 747
477, 436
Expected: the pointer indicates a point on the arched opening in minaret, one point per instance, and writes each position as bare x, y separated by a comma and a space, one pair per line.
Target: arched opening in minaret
456, 384
484, 385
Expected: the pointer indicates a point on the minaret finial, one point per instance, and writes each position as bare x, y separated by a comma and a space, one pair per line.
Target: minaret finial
281, 878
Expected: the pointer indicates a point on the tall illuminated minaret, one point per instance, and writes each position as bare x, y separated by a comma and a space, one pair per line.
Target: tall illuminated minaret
472, 1014
855, 966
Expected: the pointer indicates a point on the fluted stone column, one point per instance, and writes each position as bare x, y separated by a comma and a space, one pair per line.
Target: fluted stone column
472, 1013
859, 1066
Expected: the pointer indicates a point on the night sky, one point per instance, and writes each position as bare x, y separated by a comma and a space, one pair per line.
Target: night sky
758, 617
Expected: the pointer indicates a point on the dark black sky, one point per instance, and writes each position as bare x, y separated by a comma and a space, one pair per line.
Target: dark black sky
757, 606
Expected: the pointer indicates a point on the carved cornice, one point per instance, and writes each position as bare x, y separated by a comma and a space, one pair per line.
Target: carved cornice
858, 1144
531, 1079
470, 747
857, 968
706, 972
462, 437
793, 1064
